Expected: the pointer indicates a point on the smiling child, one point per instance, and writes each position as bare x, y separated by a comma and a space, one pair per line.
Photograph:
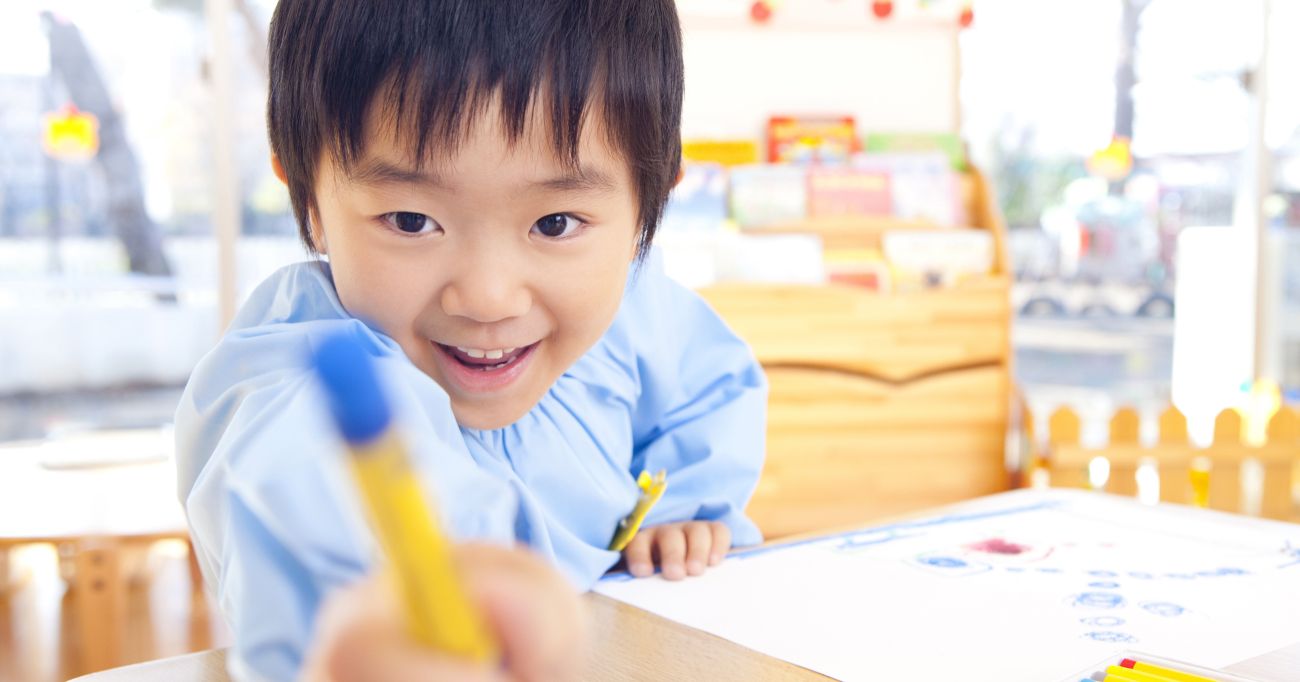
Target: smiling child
482, 182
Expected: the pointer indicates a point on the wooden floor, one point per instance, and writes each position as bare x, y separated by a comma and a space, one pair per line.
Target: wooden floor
39, 642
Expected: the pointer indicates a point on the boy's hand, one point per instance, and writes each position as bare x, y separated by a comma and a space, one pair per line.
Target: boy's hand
680, 549
530, 609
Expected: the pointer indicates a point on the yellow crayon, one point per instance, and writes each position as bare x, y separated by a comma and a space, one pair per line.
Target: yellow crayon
1163, 672
1119, 677
1130, 675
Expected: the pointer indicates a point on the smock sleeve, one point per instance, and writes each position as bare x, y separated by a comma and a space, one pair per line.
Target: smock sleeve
701, 414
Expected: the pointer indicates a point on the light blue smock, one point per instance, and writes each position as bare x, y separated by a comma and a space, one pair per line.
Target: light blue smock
277, 523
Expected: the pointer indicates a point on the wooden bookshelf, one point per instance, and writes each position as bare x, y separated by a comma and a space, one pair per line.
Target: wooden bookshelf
880, 403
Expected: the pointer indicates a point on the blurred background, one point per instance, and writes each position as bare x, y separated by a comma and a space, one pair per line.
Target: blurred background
1143, 157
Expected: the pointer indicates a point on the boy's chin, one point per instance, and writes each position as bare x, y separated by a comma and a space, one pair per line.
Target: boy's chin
487, 417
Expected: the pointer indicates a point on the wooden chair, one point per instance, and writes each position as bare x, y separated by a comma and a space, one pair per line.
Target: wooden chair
101, 516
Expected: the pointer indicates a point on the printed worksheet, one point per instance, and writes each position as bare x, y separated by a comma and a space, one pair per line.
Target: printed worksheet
1026, 585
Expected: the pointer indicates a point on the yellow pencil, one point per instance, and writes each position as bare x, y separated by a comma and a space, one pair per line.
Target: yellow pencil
437, 611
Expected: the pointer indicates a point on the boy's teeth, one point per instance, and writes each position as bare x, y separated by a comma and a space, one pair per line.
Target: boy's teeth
479, 354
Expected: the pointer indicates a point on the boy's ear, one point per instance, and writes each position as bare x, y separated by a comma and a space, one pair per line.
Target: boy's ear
681, 173
279, 169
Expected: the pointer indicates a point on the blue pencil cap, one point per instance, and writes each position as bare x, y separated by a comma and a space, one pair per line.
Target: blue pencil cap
352, 388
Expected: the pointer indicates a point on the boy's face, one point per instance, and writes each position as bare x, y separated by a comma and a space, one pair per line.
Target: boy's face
495, 269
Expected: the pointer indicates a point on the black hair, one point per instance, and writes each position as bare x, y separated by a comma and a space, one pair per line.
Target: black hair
437, 63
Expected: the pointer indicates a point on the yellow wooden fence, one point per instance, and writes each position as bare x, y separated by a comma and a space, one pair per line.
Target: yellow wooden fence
1229, 475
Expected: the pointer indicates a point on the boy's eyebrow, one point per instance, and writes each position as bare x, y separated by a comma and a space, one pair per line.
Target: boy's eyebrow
582, 179
380, 172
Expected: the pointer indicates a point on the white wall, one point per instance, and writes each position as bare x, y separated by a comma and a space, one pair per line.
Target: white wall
818, 57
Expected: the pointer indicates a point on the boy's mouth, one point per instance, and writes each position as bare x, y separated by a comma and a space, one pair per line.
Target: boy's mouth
486, 360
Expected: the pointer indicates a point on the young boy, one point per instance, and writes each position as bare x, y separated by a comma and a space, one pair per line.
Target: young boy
485, 179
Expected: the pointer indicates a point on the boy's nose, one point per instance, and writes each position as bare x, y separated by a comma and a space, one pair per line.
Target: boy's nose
486, 292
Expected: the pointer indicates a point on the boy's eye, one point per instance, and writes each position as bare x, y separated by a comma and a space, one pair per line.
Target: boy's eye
557, 225
411, 223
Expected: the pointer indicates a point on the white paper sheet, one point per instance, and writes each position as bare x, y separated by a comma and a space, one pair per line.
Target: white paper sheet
1027, 585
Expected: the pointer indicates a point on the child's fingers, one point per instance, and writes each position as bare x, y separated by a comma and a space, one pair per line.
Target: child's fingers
699, 542
361, 636
671, 542
721, 542
533, 611
637, 554
369, 656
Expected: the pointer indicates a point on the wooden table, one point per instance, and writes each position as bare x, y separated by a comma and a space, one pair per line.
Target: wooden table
94, 495
628, 643
631, 644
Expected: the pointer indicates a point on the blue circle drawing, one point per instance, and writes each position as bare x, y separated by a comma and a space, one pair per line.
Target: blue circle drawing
1104, 585
1098, 600
1103, 574
1110, 636
1140, 574
943, 562
1102, 621
1164, 608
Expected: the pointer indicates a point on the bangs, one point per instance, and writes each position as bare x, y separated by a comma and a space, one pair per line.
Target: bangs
435, 77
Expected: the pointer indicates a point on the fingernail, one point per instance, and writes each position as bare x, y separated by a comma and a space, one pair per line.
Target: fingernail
695, 567
641, 570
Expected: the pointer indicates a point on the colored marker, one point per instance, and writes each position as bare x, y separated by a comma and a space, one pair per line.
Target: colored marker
437, 612
1168, 673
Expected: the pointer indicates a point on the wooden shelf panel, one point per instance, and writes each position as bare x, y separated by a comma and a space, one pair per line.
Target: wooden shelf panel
811, 399
895, 337
815, 479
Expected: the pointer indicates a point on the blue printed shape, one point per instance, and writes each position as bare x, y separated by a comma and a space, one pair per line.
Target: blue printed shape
1110, 636
1164, 608
1098, 600
1103, 621
951, 566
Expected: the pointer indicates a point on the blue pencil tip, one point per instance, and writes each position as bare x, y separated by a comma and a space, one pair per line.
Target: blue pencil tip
352, 388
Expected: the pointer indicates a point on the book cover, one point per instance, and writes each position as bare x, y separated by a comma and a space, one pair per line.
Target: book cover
835, 191
765, 194
811, 139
